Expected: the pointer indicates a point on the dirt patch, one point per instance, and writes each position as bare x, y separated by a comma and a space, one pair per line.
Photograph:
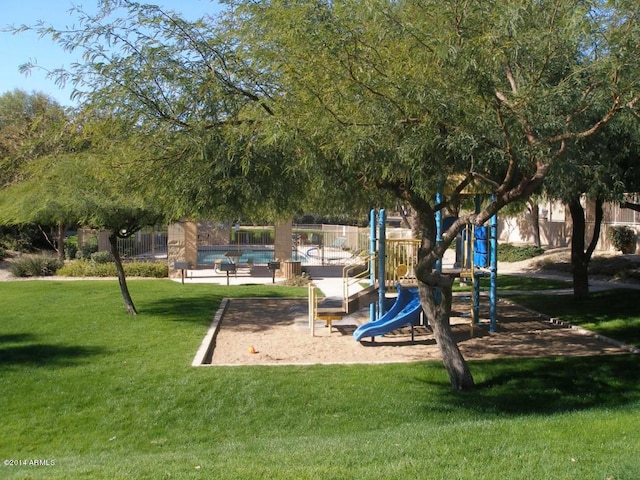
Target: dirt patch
5, 273
278, 331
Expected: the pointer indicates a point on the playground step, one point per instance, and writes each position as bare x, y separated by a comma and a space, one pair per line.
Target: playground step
328, 315
361, 299
330, 311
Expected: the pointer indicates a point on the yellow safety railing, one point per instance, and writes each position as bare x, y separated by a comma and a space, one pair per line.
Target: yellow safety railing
349, 280
401, 261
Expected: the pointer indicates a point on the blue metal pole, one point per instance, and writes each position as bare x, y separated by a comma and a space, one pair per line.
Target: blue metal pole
382, 256
438, 229
493, 271
372, 260
476, 280
438, 293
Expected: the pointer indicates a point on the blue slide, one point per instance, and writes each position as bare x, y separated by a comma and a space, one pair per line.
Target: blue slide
405, 311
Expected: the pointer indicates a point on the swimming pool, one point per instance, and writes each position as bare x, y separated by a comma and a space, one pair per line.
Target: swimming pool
209, 256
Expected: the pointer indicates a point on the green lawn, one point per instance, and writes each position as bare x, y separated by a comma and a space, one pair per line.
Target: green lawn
104, 395
614, 313
516, 283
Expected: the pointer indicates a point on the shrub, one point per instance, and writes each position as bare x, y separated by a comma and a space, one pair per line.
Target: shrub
101, 257
623, 238
146, 269
86, 268
34, 266
90, 246
75, 268
85, 251
511, 253
297, 280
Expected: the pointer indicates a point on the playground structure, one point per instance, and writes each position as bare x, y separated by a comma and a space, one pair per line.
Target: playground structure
391, 265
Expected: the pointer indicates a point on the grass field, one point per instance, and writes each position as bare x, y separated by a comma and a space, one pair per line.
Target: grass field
103, 395
613, 313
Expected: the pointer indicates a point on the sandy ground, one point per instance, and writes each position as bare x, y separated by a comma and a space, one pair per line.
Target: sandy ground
279, 333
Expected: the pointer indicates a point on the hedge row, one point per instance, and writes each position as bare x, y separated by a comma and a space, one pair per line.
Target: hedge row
86, 268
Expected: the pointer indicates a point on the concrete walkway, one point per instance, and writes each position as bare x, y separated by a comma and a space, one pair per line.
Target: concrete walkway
327, 279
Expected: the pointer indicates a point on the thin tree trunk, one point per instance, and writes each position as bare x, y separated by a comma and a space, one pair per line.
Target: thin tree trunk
579, 264
61, 242
581, 257
535, 222
126, 296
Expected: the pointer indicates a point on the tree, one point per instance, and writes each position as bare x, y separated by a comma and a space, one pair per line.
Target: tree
598, 169
376, 97
31, 126
629, 153
82, 189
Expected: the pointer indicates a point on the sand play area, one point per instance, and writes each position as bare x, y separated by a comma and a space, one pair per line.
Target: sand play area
276, 332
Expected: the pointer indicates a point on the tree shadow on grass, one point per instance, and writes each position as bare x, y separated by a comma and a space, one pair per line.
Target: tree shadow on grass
16, 338
41, 354
552, 385
199, 310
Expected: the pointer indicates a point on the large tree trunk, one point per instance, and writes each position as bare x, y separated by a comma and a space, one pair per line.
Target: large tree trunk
122, 280
438, 312
580, 257
435, 297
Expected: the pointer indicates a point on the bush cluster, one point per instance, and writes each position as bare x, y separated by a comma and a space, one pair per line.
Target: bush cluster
511, 253
73, 250
34, 266
101, 257
623, 238
88, 268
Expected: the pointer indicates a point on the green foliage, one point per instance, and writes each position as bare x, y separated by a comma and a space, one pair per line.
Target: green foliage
253, 236
146, 269
512, 253
87, 268
21, 238
34, 266
623, 238
85, 251
101, 257
405, 104
70, 247
30, 127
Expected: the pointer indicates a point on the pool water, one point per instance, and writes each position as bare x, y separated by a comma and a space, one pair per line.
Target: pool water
210, 256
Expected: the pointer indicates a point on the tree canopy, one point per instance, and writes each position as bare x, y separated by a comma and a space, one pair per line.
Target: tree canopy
31, 125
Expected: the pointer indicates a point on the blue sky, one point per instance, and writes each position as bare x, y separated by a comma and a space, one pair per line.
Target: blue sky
16, 50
